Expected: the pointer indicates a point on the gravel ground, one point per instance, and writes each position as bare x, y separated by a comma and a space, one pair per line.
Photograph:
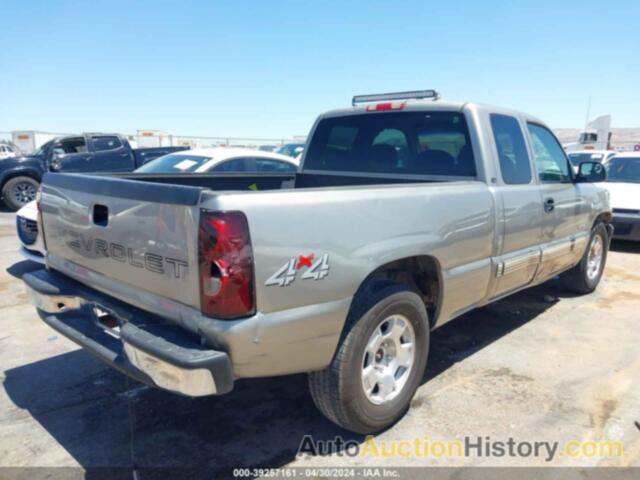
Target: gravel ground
539, 366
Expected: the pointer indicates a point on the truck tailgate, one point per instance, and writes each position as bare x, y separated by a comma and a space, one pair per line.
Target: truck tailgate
134, 240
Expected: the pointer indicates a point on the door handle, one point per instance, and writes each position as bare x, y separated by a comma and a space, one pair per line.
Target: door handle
124, 154
549, 205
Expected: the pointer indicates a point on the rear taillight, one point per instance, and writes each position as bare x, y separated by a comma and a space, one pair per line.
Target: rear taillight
226, 265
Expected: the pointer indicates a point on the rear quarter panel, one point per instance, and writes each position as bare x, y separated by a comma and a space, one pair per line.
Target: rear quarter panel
363, 228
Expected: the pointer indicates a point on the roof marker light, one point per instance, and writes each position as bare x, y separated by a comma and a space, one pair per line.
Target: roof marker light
383, 107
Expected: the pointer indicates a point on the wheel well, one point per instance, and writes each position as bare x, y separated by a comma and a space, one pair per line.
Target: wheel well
17, 174
421, 273
603, 217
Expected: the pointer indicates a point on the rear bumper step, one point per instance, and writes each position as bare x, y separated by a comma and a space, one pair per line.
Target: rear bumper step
132, 341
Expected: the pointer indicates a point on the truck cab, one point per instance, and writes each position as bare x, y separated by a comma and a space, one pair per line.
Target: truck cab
89, 152
92, 152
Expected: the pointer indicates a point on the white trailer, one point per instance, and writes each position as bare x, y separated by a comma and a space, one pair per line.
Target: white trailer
30, 140
153, 139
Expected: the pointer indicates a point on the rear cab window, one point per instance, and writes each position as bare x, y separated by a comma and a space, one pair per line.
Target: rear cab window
398, 143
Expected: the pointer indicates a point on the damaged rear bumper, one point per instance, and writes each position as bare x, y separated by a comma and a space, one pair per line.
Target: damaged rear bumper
130, 340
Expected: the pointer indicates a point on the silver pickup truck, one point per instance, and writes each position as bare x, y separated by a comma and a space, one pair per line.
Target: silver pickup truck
408, 212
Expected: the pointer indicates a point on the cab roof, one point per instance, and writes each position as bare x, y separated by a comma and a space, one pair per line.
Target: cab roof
411, 105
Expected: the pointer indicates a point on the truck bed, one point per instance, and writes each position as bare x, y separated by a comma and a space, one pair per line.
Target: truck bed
147, 254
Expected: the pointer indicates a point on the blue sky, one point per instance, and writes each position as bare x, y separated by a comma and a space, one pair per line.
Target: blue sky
267, 68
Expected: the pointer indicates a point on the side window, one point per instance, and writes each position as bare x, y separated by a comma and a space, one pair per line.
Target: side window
233, 165
106, 143
70, 145
552, 164
512, 151
265, 165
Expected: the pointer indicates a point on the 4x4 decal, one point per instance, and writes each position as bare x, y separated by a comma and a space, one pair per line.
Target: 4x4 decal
316, 270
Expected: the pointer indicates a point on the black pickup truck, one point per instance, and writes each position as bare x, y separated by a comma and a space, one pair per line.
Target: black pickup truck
90, 152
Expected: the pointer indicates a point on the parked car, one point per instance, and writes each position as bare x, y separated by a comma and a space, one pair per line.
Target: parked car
220, 159
623, 182
31, 245
291, 149
90, 152
602, 156
406, 214
7, 151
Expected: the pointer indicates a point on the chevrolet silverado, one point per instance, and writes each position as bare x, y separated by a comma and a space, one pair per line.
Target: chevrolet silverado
408, 211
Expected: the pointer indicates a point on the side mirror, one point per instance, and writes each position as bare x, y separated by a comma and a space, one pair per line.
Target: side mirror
591, 172
55, 164
56, 157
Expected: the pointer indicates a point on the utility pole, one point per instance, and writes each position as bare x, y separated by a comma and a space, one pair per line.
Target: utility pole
586, 122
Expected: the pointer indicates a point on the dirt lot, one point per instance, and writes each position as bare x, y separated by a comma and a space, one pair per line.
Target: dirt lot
539, 366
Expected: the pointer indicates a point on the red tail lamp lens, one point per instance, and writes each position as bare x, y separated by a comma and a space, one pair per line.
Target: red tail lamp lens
226, 265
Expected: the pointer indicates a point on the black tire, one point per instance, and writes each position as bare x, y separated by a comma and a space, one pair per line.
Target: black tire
577, 279
12, 199
338, 392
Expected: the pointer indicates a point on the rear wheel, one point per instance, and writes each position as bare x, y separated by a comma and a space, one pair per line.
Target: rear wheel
379, 363
585, 276
19, 191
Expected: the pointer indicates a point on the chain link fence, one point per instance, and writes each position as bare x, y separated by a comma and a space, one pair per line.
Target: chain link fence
151, 139
622, 139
